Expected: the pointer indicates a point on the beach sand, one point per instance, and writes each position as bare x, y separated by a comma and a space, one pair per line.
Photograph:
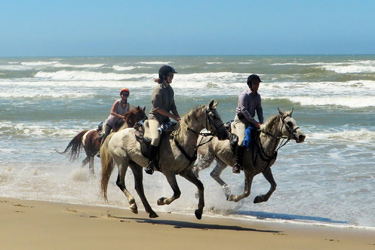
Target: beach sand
47, 225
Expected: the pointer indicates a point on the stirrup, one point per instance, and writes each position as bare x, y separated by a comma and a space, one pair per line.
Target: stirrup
236, 168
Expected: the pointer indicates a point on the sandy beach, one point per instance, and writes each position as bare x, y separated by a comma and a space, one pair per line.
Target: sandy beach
46, 225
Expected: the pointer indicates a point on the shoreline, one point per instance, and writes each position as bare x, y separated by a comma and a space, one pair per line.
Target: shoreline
27, 224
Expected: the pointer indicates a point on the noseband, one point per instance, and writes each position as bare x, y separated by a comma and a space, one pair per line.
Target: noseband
209, 121
290, 131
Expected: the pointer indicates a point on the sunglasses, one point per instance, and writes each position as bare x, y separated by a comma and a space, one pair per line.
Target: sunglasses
125, 94
170, 75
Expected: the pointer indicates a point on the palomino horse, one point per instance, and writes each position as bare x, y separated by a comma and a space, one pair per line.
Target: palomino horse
176, 156
258, 160
89, 139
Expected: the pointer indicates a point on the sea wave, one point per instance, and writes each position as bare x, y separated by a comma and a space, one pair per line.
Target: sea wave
353, 136
88, 75
156, 62
128, 68
9, 129
351, 102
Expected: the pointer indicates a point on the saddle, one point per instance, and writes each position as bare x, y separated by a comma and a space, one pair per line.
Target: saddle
142, 135
233, 138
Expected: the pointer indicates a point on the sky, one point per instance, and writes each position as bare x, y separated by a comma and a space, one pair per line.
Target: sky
190, 27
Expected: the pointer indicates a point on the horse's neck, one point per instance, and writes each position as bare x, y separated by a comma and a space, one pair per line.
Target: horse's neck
129, 121
272, 139
188, 138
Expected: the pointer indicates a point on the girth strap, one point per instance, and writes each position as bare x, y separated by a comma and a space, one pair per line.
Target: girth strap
191, 159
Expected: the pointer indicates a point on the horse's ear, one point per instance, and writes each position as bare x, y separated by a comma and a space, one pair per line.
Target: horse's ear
291, 112
144, 108
212, 105
280, 112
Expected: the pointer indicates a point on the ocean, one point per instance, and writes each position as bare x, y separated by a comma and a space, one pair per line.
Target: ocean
327, 180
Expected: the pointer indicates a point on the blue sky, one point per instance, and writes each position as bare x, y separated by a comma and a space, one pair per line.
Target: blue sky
192, 27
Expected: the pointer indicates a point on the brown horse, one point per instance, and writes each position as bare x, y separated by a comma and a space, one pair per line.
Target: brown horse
259, 159
90, 140
176, 156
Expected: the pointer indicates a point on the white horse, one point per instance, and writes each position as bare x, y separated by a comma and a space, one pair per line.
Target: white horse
258, 159
177, 154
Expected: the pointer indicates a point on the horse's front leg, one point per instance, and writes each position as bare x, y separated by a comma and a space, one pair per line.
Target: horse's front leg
138, 181
269, 177
248, 181
190, 176
171, 178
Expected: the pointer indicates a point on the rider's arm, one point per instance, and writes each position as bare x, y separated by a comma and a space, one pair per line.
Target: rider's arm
244, 108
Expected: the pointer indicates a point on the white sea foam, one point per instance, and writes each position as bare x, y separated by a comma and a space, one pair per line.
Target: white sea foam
40, 63
358, 136
156, 63
87, 75
351, 102
79, 66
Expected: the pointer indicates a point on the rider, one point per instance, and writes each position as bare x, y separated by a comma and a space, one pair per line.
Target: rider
249, 102
163, 103
119, 108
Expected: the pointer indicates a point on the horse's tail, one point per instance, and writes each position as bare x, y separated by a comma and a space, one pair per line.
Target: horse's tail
74, 147
107, 165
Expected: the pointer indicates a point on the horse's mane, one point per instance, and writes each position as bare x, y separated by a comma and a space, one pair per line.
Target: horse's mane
129, 119
270, 123
182, 127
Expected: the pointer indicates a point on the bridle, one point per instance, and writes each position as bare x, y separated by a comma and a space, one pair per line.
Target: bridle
210, 122
269, 158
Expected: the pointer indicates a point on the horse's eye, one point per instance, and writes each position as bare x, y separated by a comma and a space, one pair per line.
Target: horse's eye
214, 116
290, 124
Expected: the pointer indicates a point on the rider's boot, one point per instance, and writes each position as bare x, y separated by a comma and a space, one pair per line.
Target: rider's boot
151, 160
239, 158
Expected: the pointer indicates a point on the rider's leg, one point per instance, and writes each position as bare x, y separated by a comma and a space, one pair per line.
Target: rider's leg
240, 132
155, 138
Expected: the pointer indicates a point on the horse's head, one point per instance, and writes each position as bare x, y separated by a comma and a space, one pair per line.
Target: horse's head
290, 128
139, 113
214, 122
135, 115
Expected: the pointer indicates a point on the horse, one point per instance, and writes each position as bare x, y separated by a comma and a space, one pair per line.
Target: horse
90, 140
259, 159
176, 156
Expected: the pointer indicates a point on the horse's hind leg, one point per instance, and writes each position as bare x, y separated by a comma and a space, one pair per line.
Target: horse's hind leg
91, 165
122, 167
171, 178
138, 180
190, 176
203, 162
215, 174
85, 161
247, 189
269, 177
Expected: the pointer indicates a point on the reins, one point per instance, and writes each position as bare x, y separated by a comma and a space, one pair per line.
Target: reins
268, 158
203, 134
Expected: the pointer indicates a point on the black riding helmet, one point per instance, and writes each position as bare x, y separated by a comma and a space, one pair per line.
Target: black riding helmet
252, 78
165, 70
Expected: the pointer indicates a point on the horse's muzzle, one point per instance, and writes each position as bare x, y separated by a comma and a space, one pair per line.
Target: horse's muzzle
300, 138
222, 134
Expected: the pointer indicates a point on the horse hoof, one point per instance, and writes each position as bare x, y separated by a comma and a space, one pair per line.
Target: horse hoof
161, 201
153, 215
198, 214
134, 209
258, 199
